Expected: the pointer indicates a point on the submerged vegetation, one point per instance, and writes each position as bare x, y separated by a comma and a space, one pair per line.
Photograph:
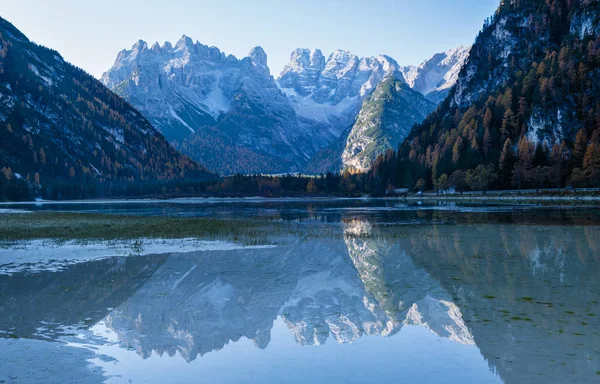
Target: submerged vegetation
86, 226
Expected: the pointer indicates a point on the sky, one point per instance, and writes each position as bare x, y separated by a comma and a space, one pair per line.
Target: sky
90, 33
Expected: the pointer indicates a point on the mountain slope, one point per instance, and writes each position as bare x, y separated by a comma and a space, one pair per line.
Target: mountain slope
196, 95
385, 119
526, 103
59, 123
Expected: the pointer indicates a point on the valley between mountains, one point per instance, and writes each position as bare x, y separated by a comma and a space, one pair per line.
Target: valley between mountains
519, 109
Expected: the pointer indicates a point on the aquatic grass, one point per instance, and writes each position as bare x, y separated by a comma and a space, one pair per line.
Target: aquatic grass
83, 227
526, 299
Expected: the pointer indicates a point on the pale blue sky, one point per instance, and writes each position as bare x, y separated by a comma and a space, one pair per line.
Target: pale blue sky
91, 33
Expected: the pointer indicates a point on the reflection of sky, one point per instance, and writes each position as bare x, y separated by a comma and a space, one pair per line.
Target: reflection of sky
413, 353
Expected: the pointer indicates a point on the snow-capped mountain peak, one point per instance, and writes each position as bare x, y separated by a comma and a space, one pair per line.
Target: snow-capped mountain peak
437, 75
196, 94
331, 91
183, 43
259, 59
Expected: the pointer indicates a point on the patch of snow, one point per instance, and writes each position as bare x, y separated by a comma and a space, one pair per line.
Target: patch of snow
50, 255
116, 133
176, 116
216, 102
309, 108
36, 71
33, 69
545, 127
9, 211
500, 32
178, 281
95, 169
583, 25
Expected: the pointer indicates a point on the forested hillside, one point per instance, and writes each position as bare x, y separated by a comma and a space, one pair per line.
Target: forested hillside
524, 113
62, 132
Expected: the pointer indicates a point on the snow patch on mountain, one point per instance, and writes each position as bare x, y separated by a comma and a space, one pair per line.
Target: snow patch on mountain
331, 91
327, 112
437, 74
192, 92
442, 318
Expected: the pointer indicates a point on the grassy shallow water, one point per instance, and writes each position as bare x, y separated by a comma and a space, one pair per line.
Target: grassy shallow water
92, 226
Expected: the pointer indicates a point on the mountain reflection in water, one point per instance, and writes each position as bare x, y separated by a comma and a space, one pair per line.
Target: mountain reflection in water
527, 296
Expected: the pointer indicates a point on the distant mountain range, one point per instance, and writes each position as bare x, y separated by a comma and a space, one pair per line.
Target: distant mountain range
518, 109
233, 116
59, 125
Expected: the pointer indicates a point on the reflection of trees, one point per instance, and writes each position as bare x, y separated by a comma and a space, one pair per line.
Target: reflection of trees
406, 293
528, 293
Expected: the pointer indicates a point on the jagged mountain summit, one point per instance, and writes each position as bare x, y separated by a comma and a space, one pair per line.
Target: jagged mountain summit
348, 96
436, 76
330, 92
369, 125
232, 116
60, 125
226, 113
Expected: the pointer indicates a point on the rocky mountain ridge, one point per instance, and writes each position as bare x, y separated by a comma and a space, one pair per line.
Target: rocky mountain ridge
233, 116
436, 76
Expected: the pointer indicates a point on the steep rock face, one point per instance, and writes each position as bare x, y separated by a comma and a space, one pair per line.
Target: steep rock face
232, 116
504, 46
197, 95
161, 82
436, 76
329, 93
60, 123
332, 94
385, 119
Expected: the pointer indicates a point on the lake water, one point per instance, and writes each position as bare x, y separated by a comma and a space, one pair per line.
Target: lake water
379, 291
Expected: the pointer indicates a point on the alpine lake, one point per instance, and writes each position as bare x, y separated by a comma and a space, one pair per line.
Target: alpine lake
299, 291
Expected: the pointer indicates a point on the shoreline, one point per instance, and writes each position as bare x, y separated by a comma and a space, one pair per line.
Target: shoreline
184, 200
257, 199
505, 198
